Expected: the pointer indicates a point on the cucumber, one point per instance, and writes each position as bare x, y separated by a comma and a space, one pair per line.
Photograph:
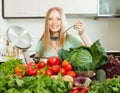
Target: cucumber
101, 75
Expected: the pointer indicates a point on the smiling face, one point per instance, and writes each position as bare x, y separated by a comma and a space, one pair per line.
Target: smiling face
54, 21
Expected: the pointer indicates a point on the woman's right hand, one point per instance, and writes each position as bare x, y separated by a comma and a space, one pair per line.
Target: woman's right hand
79, 26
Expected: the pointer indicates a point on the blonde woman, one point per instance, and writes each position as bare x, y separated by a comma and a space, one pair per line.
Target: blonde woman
53, 38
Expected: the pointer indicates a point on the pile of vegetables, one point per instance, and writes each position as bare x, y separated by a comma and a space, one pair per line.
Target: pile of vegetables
77, 70
85, 58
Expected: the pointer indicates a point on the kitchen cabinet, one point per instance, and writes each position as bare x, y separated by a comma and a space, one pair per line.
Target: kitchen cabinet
20, 9
38, 8
88, 7
108, 8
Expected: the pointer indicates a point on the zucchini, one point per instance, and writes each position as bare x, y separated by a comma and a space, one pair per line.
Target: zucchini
101, 75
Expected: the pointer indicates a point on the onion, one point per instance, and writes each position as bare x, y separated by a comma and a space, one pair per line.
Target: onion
82, 81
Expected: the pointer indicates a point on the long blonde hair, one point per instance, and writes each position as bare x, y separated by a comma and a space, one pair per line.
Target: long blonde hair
46, 35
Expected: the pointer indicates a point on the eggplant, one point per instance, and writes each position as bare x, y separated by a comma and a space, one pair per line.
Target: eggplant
82, 81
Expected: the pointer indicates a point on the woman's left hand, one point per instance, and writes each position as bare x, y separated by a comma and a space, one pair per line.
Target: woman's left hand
79, 26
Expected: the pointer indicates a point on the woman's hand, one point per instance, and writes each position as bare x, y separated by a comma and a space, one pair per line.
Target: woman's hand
79, 26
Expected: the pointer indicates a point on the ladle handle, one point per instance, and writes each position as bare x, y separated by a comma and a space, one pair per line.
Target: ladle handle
68, 29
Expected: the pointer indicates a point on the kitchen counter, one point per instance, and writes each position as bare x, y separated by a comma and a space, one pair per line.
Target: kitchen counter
21, 56
116, 53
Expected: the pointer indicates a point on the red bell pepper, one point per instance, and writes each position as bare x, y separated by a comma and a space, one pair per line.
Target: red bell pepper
32, 69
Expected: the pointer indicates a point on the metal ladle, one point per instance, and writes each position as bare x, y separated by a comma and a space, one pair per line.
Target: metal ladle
56, 38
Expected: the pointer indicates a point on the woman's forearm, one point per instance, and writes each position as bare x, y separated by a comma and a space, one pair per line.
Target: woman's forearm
85, 39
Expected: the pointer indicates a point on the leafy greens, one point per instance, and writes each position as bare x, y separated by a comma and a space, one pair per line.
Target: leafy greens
85, 58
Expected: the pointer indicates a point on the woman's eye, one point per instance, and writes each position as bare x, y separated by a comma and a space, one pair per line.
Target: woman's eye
54, 19
50, 19
58, 18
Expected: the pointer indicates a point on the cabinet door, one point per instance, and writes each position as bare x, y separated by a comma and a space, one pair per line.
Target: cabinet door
20, 8
70, 6
108, 7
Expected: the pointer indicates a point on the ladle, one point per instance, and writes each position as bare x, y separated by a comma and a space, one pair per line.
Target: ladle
58, 37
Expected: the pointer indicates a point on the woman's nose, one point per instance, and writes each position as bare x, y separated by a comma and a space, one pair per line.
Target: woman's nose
54, 21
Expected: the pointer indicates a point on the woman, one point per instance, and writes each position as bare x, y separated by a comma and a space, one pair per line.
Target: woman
53, 38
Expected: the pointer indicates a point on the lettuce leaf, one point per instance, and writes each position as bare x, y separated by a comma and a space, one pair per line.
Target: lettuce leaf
100, 56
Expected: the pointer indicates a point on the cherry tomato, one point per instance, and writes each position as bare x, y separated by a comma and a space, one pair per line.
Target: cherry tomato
68, 67
54, 60
63, 71
55, 69
71, 73
64, 63
41, 64
20, 75
48, 72
20, 68
75, 91
84, 90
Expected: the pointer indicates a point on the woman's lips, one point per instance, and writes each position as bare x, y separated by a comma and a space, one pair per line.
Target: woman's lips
55, 26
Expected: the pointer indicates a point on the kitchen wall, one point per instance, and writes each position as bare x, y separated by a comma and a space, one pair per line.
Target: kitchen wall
107, 30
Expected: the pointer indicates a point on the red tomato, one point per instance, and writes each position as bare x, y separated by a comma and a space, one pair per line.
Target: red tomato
68, 67
31, 69
41, 64
63, 71
54, 60
71, 73
64, 63
84, 90
20, 75
55, 69
48, 72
